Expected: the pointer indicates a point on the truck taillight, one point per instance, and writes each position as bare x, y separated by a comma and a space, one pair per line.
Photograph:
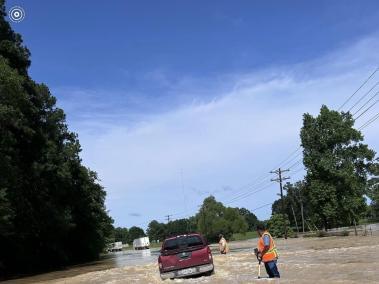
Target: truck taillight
160, 265
209, 256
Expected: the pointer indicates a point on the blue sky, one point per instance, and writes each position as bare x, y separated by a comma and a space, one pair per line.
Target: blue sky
212, 89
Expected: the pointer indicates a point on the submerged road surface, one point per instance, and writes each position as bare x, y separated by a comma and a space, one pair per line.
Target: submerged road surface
303, 260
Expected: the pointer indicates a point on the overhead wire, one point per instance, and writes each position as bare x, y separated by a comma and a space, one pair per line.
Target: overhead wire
364, 96
366, 110
360, 87
290, 158
366, 103
371, 120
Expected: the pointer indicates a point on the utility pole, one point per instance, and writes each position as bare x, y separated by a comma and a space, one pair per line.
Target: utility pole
302, 209
202, 210
290, 196
168, 218
299, 198
280, 180
184, 201
294, 216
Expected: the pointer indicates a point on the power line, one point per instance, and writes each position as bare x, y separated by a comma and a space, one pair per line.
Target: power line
371, 120
296, 171
367, 109
260, 207
360, 87
289, 156
294, 158
287, 160
238, 198
295, 164
366, 103
365, 95
251, 185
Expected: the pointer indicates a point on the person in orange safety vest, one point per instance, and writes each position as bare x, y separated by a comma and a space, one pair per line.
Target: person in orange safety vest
267, 252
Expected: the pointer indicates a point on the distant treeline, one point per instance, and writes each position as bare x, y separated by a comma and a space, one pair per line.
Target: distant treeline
212, 219
52, 209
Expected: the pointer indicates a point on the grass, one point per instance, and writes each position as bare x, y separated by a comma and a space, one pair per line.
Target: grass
368, 221
156, 245
242, 237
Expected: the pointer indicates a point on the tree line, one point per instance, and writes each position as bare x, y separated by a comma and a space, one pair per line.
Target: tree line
212, 219
52, 209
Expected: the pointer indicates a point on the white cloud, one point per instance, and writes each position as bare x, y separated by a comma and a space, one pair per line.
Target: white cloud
227, 141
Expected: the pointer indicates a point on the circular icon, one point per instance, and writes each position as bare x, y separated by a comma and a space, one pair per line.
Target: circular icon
16, 14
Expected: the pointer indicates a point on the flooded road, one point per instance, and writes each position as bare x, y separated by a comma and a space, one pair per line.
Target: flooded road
303, 260
106, 262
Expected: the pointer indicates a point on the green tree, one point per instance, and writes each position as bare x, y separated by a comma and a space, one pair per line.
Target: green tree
373, 191
52, 209
236, 222
156, 231
135, 233
276, 225
178, 227
250, 218
295, 201
337, 164
214, 219
121, 235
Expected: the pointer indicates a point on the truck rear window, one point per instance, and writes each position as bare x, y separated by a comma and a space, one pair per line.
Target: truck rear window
183, 242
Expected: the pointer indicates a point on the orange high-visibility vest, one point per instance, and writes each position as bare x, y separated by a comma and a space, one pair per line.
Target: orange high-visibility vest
272, 253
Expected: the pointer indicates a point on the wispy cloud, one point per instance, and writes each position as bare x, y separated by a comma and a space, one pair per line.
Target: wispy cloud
224, 136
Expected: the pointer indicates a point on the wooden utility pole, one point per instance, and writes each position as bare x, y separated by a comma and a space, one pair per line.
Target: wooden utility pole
302, 210
280, 180
293, 210
168, 218
294, 216
184, 201
299, 198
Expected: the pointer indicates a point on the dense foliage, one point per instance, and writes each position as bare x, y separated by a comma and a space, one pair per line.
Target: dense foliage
159, 231
338, 165
294, 202
135, 233
214, 219
373, 192
51, 207
276, 225
120, 235
250, 218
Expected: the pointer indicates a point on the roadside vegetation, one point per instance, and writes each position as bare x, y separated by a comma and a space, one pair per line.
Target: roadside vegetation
52, 209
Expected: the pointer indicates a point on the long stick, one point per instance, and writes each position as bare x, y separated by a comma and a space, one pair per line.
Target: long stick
259, 270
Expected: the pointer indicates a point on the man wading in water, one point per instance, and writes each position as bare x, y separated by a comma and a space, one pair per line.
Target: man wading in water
267, 252
223, 245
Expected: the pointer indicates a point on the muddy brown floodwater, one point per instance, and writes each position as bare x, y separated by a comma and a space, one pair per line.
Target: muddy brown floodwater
303, 260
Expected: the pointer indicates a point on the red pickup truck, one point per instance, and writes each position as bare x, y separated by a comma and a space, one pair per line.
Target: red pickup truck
185, 255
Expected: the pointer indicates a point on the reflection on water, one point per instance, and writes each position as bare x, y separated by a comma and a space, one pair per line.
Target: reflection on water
107, 261
125, 258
